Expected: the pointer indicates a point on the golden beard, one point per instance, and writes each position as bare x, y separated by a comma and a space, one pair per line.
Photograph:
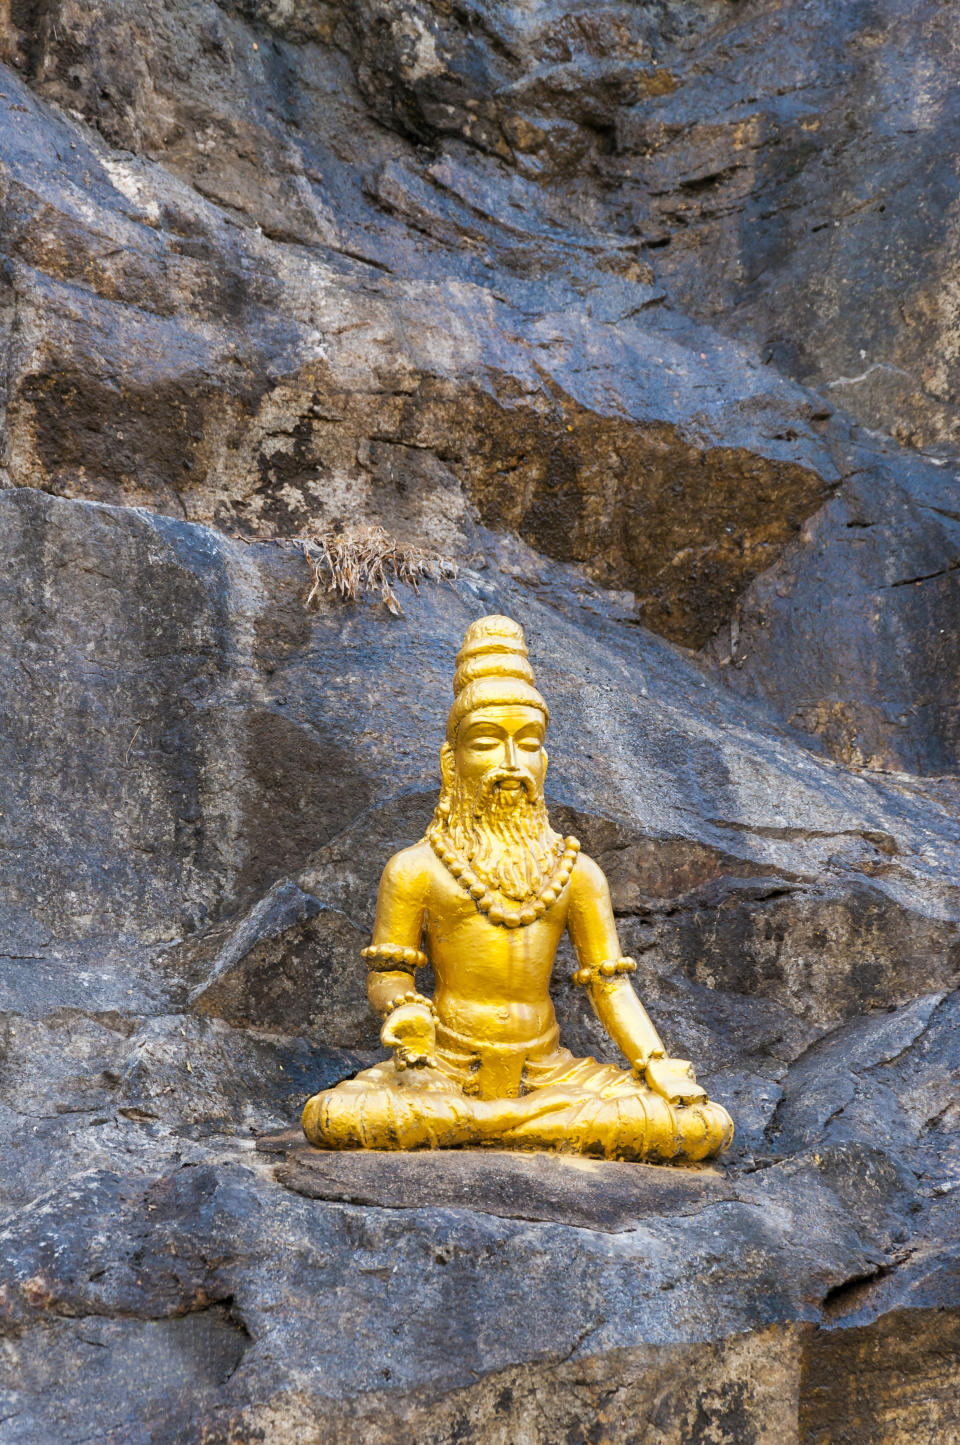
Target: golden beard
504, 835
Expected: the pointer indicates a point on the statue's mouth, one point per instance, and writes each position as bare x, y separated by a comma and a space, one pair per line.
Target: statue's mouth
510, 788
505, 789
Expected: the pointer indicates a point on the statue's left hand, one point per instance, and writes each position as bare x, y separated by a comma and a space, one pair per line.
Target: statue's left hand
674, 1080
409, 1030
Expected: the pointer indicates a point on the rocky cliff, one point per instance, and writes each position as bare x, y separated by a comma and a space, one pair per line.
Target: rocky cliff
641, 315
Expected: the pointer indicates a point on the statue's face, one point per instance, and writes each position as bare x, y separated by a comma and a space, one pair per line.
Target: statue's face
505, 746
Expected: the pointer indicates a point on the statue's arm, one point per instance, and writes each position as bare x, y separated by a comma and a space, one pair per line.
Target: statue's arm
394, 955
594, 934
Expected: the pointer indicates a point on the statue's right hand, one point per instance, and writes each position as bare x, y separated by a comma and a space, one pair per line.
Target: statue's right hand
409, 1030
675, 1081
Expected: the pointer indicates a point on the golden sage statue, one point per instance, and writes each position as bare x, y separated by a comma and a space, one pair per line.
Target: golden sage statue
488, 893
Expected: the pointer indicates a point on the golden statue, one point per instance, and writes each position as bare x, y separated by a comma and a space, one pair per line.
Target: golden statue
488, 893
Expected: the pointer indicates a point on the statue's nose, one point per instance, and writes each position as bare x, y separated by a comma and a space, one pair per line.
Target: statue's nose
510, 753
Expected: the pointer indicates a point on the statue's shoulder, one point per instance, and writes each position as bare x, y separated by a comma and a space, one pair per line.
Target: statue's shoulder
586, 864
587, 874
411, 865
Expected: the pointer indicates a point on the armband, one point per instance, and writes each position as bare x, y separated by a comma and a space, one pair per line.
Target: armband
390, 957
593, 973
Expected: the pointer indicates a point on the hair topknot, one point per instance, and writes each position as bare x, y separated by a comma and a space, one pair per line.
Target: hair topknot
492, 670
492, 647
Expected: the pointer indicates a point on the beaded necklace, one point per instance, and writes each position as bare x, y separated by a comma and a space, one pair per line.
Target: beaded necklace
486, 898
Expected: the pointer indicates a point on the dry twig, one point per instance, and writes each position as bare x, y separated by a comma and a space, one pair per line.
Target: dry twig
365, 558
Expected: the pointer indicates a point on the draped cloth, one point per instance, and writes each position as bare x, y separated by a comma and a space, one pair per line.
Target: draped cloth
536, 1095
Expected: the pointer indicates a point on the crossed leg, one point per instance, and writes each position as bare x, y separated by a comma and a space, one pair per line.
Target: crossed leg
576, 1107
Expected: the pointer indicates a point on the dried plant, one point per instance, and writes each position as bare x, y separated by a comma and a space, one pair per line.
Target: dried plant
364, 558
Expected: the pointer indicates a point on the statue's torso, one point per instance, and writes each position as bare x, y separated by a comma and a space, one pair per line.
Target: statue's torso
492, 983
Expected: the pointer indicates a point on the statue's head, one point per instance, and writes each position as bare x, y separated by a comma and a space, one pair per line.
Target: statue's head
493, 762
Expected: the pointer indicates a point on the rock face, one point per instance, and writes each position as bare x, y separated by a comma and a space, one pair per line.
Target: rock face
223, 376
571, 294
866, 603
220, 774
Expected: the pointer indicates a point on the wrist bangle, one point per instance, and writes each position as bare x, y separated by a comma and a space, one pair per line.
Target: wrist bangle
592, 973
387, 957
642, 1060
404, 998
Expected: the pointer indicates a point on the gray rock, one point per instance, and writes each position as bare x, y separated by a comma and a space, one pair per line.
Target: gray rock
571, 295
273, 381
589, 1194
866, 603
290, 964
796, 928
